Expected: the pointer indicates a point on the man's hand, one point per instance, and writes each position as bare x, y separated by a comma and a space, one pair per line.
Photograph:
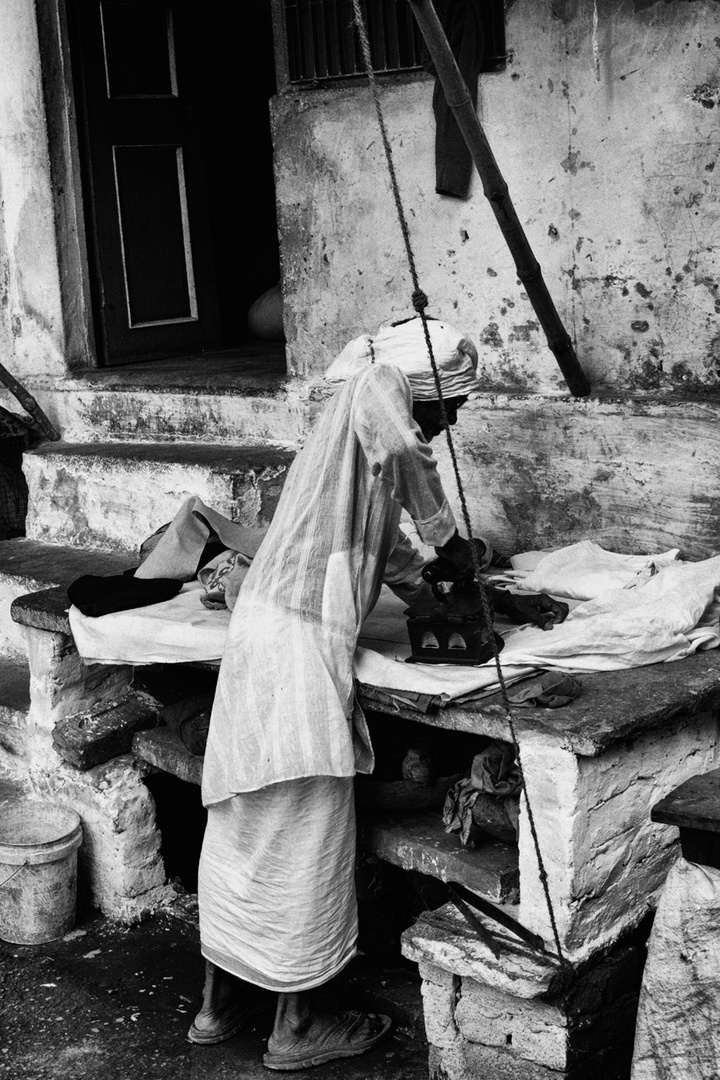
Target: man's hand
458, 551
537, 608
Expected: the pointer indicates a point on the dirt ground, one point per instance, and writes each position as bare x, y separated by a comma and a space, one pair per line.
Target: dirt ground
115, 1003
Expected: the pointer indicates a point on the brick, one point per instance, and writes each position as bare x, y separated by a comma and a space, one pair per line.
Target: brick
105, 731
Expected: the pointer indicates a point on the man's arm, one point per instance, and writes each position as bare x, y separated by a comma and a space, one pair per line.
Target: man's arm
403, 570
397, 453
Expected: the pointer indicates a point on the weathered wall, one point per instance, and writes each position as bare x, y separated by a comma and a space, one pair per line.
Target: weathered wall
608, 142
608, 139
31, 318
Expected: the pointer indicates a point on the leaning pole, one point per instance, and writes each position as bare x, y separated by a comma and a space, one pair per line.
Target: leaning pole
496, 191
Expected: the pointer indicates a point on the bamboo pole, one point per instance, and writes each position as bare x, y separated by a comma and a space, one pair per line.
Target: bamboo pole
496, 191
28, 403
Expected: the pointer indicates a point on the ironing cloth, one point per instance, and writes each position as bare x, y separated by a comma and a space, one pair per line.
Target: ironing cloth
664, 617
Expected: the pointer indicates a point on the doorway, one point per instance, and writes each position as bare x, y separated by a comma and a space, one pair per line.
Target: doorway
176, 166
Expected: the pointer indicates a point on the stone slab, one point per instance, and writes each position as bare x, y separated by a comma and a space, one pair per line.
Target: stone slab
693, 805
165, 750
613, 706
46, 609
418, 841
444, 939
38, 565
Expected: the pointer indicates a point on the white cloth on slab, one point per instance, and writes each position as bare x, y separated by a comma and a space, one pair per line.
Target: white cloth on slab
584, 570
677, 1036
667, 616
405, 347
276, 886
284, 706
176, 631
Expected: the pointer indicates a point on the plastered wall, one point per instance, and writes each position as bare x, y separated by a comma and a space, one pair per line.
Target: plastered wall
608, 138
606, 131
32, 331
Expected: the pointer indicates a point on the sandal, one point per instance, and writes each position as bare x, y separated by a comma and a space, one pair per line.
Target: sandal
334, 1044
229, 1021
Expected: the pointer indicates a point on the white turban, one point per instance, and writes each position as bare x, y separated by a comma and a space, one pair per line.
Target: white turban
405, 347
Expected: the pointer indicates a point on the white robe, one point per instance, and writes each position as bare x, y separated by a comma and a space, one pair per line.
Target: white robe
284, 705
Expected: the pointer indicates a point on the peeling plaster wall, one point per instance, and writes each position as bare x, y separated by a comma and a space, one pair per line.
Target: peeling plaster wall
608, 142
608, 138
31, 324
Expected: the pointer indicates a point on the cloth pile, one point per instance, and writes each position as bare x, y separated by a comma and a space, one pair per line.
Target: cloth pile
488, 800
626, 611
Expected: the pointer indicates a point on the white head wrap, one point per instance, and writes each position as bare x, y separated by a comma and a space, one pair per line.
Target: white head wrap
405, 347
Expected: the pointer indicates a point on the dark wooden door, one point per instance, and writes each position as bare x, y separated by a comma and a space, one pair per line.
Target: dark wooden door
144, 184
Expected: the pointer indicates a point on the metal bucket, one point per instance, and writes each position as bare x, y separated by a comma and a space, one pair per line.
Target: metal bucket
38, 871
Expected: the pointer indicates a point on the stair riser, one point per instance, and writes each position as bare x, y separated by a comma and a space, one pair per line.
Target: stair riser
145, 416
115, 504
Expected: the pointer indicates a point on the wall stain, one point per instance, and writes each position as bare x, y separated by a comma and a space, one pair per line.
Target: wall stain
523, 331
490, 335
707, 95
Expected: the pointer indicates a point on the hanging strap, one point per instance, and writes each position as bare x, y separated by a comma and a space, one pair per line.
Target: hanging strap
420, 303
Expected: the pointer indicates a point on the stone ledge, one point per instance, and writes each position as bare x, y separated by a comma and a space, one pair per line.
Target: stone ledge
46, 609
418, 841
444, 939
693, 805
165, 750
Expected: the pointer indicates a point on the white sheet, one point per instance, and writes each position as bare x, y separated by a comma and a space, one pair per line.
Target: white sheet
663, 617
174, 632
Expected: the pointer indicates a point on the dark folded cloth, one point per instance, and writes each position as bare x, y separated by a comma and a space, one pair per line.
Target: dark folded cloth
190, 719
96, 595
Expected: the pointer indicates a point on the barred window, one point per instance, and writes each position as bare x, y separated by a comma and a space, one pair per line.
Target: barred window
316, 39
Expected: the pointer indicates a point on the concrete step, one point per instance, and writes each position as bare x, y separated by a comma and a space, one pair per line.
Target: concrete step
112, 496
14, 706
243, 399
29, 566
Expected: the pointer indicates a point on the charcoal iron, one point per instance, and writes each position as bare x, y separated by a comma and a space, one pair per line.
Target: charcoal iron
449, 628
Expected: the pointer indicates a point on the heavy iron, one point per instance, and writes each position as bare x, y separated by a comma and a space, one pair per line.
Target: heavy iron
449, 628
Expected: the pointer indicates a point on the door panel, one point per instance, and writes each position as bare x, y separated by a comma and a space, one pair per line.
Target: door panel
144, 180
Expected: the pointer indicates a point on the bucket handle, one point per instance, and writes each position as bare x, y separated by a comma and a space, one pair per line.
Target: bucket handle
21, 867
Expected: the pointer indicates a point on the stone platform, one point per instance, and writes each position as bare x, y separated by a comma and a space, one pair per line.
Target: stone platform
593, 770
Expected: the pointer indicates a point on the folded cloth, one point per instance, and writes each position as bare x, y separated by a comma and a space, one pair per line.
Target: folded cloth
550, 691
190, 719
584, 570
95, 595
222, 577
178, 552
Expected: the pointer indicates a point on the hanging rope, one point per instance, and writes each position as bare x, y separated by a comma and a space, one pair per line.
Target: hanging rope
420, 303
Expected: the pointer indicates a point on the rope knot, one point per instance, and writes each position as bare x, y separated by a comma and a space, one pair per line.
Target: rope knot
419, 301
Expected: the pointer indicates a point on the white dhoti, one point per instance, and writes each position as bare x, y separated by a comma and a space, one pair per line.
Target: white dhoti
276, 884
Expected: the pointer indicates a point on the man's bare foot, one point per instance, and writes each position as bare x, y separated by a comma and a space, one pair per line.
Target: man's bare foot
299, 1042
228, 1004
